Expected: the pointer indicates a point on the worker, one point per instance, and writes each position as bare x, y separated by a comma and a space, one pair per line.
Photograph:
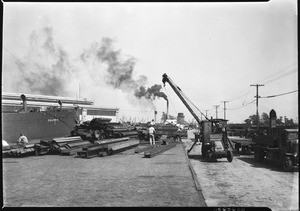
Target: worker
151, 135
152, 122
22, 141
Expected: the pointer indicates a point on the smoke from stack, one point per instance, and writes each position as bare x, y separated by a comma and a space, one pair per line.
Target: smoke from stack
24, 99
48, 69
167, 117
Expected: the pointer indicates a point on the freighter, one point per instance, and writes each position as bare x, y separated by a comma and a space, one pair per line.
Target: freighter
44, 117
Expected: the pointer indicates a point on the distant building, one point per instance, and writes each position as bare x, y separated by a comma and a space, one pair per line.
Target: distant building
12, 102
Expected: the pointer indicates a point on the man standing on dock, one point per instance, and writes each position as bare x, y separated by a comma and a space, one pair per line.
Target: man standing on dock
22, 141
151, 135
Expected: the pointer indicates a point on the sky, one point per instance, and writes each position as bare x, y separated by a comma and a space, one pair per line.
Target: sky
116, 53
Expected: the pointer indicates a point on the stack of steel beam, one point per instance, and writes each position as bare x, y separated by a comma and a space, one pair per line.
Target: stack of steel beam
158, 150
20, 152
43, 147
59, 144
93, 151
73, 148
130, 134
104, 147
119, 147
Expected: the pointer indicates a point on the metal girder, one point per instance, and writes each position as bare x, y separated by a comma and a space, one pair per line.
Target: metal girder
93, 152
113, 140
123, 146
144, 149
158, 150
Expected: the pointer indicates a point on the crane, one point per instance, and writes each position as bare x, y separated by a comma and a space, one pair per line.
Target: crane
213, 136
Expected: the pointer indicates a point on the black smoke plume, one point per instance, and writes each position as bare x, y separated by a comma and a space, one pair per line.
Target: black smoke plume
48, 69
120, 71
151, 93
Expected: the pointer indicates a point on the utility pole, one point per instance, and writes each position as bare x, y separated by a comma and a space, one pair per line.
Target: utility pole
225, 108
216, 106
79, 90
257, 85
206, 113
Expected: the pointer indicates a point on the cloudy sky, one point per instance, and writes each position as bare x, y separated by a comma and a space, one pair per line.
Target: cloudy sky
106, 52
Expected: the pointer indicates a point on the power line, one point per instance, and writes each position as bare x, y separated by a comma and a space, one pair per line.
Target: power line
241, 106
18, 60
279, 94
239, 96
269, 79
281, 71
281, 76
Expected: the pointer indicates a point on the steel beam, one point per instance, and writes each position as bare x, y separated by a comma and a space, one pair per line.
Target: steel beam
144, 149
158, 150
110, 141
123, 146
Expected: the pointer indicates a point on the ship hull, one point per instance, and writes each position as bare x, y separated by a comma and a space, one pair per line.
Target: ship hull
37, 125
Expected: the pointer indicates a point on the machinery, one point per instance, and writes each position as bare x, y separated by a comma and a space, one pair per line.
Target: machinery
278, 144
170, 131
213, 135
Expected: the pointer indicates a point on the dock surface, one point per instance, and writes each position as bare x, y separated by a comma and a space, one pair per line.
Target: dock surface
123, 179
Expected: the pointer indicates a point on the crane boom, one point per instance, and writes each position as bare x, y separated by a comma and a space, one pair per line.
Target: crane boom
209, 144
177, 91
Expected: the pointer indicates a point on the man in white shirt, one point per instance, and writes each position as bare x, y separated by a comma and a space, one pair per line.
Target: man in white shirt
151, 135
22, 141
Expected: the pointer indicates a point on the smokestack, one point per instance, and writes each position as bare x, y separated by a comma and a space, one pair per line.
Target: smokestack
23, 97
60, 104
167, 109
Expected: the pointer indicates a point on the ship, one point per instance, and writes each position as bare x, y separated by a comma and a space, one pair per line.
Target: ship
44, 117
37, 125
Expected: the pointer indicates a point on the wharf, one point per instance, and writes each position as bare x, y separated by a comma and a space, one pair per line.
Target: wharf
120, 180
